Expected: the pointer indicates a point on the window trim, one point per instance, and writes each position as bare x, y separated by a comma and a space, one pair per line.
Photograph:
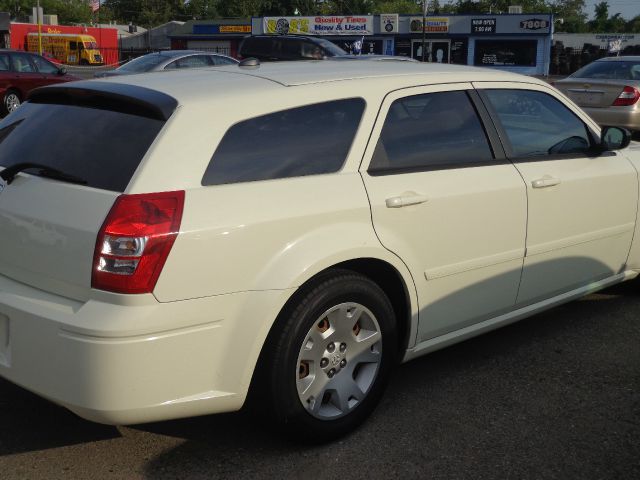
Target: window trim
493, 141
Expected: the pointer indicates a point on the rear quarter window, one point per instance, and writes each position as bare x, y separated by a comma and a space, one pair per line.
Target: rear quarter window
310, 140
257, 46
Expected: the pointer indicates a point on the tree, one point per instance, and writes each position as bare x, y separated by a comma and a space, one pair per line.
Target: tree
200, 9
599, 22
572, 14
500, 6
68, 11
397, 6
633, 25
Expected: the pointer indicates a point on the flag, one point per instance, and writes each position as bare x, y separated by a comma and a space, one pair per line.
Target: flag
95, 5
615, 46
357, 46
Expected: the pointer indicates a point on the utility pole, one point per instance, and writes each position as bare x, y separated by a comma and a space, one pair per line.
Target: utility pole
424, 27
39, 20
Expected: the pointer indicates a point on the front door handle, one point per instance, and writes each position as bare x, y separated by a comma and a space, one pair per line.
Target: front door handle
409, 198
546, 181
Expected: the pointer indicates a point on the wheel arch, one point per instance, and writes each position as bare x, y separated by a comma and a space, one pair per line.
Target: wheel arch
381, 272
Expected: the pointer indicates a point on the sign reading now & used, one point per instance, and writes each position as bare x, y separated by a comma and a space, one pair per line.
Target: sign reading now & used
334, 25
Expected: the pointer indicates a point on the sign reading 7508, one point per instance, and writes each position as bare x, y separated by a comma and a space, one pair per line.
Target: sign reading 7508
534, 24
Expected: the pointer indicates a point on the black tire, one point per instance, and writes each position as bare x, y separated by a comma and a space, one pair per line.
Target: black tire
11, 101
281, 371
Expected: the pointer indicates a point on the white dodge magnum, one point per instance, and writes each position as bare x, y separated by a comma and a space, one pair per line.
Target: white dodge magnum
175, 244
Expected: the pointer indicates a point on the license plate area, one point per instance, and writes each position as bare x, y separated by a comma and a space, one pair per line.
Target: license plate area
587, 98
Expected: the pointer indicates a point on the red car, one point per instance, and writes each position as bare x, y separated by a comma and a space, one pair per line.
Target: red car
21, 72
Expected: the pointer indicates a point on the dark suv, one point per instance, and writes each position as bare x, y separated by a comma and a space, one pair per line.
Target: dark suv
288, 47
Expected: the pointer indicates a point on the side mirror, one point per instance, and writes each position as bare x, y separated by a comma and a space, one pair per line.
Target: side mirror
62, 70
614, 138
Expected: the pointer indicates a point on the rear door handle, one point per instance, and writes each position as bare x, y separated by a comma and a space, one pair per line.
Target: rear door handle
406, 199
546, 181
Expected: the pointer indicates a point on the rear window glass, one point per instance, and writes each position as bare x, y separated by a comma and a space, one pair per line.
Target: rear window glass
101, 146
610, 70
308, 140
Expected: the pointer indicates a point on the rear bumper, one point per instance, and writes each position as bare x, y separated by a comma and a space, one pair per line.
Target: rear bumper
626, 117
137, 361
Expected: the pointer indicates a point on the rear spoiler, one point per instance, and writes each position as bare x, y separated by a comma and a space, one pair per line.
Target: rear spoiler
108, 96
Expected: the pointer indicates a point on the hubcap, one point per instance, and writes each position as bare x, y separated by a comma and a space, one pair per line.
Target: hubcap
339, 361
12, 102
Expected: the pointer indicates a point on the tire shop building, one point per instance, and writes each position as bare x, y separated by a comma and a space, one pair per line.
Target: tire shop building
221, 36
515, 42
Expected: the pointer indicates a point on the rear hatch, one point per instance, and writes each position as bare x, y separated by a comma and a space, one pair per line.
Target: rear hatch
592, 93
97, 134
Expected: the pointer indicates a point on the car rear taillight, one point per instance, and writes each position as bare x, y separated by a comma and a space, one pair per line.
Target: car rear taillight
629, 96
135, 240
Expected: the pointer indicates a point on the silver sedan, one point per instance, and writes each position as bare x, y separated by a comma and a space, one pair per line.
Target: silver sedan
170, 60
608, 90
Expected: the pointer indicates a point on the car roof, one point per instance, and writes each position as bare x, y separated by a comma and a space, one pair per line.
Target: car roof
623, 58
290, 74
179, 53
233, 83
11, 50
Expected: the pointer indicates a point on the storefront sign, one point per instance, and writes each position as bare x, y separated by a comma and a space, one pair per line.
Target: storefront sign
235, 28
330, 25
215, 29
607, 39
388, 23
433, 24
534, 24
483, 25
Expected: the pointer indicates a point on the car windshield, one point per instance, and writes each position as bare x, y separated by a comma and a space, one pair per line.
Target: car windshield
144, 63
90, 45
618, 70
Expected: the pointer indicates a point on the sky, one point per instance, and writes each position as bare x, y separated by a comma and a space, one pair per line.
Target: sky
627, 8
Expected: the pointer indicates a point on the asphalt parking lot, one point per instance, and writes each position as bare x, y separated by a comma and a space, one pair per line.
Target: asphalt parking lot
553, 396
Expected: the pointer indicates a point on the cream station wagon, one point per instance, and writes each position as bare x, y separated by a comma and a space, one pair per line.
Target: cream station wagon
286, 233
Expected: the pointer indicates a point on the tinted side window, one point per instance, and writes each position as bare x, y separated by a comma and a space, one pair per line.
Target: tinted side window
222, 61
21, 63
4, 62
308, 140
193, 61
434, 130
537, 124
43, 65
257, 46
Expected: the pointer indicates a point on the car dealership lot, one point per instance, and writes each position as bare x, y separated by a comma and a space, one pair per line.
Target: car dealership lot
554, 396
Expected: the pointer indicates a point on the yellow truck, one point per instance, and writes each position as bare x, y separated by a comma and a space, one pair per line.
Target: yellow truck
68, 48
